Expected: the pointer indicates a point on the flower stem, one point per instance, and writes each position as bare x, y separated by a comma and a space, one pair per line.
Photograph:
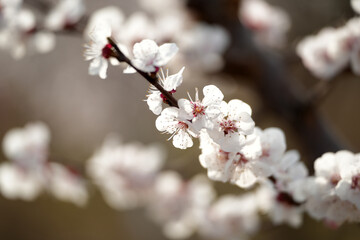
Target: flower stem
151, 79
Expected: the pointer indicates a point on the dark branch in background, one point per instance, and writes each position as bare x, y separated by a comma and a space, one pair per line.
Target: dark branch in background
42, 6
152, 79
277, 88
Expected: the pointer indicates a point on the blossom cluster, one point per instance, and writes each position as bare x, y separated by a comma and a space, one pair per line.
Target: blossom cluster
21, 33
234, 150
333, 49
29, 171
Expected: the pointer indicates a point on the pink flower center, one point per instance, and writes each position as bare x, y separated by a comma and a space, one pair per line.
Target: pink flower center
355, 182
223, 156
286, 199
182, 125
325, 56
107, 51
198, 109
335, 178
242, 160
265, 152
228, 126
257, 26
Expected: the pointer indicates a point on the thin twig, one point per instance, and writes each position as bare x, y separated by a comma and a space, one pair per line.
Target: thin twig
152, 80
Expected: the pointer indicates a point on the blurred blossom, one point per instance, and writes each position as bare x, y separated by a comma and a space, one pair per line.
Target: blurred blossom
333, 194
65, 14
30, 172
231, 217
331, 50
324, 54
137, 27
126, 31
125, 173
66, 185
20, 35
202, 46
167, 6
111, 16
179, 205
269, 24
279, 206
17, 183
290, 173
28, 146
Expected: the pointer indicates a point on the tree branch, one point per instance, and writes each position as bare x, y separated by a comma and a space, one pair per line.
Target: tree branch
152, 79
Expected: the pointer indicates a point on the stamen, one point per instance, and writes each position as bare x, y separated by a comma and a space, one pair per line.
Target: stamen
228, 126
198, 109
107, 51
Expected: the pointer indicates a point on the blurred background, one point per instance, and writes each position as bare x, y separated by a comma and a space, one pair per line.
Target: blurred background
81, 110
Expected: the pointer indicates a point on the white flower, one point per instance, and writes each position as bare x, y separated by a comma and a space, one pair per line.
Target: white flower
99, 51
269, 23
331, 209
178, 205
15, 183
233, 125
65, 185
289, 170
19, 36
348, 188
328, 168
332, 193
203, 45
231, 217
170, 122
149, 57
280, 206
202, 113
31, 172
125, 173
169, 5
261, 156
65, 14
27, 147
355, 4
137, 27
327, 53
273, 146
170, 83
235, 167
111, 16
